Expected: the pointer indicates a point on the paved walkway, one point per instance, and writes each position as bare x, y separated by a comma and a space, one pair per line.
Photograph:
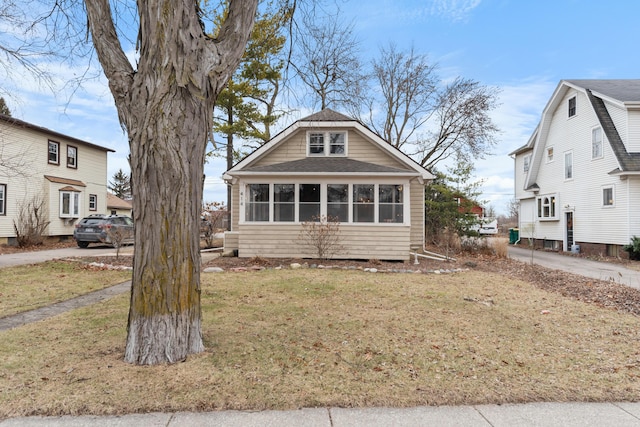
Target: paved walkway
525, 415
599, 270
617, 414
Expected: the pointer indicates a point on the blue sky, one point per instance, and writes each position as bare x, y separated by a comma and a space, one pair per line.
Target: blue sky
523, 47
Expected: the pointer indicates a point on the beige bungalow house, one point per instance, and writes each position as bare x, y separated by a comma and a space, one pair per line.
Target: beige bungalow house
327, 165
66, 175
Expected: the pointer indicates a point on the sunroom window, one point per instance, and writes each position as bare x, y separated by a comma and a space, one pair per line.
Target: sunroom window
309, 202
346, 203
284, 202
390, 203
257, 206
363, 203
338, 202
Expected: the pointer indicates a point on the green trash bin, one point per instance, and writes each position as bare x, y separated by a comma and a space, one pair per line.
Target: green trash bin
514, 234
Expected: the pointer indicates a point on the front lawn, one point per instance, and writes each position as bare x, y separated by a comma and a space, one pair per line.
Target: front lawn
282, 339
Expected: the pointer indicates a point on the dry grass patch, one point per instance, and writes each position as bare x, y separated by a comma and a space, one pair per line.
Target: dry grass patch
27, 287
304, 338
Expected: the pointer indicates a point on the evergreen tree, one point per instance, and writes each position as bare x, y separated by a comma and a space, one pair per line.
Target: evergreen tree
4, 109
120, 185
246, 108
449, 200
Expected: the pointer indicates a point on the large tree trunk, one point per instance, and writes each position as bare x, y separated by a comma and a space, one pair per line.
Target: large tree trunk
164, 317
166, 106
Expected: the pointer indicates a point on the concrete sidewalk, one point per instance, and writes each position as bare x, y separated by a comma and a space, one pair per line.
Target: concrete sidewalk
524, 415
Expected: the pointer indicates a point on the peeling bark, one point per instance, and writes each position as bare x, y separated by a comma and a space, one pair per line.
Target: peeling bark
166, 106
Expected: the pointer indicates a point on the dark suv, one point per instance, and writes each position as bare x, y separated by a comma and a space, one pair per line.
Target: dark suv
113, 230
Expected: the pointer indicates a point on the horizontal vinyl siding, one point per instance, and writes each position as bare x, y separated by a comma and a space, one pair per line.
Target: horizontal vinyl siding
527, 218
358, 242
417, 214
633, 132
620, 120
30, 147
633, 188
358, 148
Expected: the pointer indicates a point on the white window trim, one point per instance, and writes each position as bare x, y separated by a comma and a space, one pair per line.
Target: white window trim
75, 202
51, 143
556, 214
95, 202
546, 154
613, 196
327, 143
601, 143
575, 113
3, 197
74, 164
570, 154
406, 198
526, 163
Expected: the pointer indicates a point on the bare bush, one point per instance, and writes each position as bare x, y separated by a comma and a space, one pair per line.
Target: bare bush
212, 222
117, 236
500, 247
322, 235
31, 223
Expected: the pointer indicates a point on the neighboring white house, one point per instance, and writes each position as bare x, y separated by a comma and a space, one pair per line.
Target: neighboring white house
68, 174
578, 177
327, 164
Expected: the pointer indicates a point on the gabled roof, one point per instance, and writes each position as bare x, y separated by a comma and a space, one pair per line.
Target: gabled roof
624, 93
22, 124
116, 202
327, 118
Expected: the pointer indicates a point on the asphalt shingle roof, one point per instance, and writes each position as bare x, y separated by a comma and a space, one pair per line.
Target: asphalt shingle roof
326, 165
624, 90
327, 115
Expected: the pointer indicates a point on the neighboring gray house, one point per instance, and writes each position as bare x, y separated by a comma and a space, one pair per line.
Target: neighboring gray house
68, 174
578, 177
327, 164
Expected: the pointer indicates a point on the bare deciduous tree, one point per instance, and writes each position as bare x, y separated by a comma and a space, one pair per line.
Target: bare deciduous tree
426, 120
407, 85
327, 62
462, 123
166, 107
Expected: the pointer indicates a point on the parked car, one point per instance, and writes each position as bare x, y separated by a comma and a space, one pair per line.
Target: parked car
114, 230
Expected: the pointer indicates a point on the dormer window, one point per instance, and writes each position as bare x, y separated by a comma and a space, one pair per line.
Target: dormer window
316, 144
327, 143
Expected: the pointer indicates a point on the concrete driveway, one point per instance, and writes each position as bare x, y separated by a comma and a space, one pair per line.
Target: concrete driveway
8, 260
577, 265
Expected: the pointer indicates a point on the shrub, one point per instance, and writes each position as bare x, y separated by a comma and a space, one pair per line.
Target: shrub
633, 248
31, 223
322, 235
